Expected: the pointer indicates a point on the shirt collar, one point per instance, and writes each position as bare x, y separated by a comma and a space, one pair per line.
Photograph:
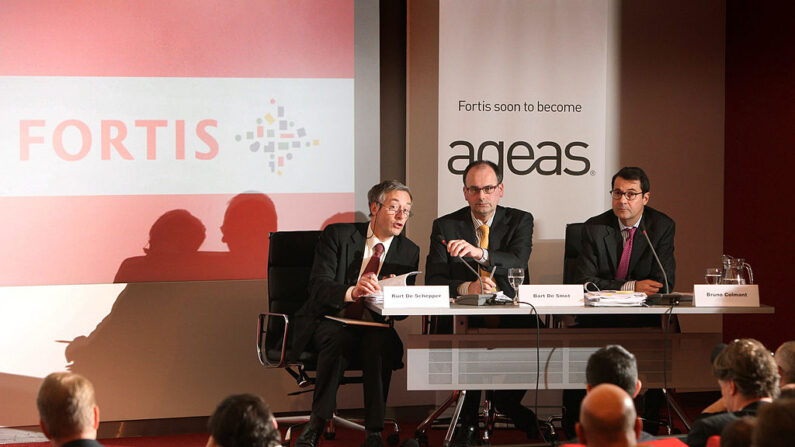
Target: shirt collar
623, 227
372, 240
477, 222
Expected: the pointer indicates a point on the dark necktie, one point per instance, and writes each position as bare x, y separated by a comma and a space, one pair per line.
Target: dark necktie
623, 265
355, 309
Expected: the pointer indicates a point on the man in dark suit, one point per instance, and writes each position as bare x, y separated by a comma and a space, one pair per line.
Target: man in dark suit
748, 378
616, 256
608, 236
349, 259
68, 411
488, 236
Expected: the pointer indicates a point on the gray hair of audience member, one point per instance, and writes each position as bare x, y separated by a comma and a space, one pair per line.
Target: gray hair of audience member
613, 364
608, 417
785, 359
377, 194
243, 420
750, 366
738, 432
775, 424
66, 404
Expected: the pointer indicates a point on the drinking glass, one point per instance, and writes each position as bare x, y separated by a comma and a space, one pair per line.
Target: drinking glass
712, 276
516, 278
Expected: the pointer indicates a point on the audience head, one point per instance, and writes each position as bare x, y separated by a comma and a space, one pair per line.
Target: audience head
785, 359
67, 408
607, 417
613, 364
738, 432
775, 424
746, 372
243, 420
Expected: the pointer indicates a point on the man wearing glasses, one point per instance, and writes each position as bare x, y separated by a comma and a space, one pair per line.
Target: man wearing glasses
615, 254
490, 238
349, 259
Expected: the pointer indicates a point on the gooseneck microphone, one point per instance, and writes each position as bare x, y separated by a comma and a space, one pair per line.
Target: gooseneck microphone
666, 298
478, 299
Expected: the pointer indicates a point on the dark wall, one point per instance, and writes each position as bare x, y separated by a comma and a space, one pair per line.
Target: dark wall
760, 132
393, 89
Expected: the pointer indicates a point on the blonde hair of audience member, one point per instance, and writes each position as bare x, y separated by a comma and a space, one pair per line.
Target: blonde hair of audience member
608, 418
67, 408
785, 360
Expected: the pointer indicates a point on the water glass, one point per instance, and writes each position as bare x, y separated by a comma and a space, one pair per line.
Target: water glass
712, 276
516, 278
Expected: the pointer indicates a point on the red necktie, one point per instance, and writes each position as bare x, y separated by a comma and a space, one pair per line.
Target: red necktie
623, 265
355, 309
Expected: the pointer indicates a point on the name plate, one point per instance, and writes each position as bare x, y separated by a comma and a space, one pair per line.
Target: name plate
416, 296
552, 294
724, 295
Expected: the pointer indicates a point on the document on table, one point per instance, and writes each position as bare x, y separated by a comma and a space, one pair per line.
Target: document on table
395, 281
615, 298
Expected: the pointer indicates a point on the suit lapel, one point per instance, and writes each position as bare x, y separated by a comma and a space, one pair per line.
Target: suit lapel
498, 229
391, 256
356, 253
612, 241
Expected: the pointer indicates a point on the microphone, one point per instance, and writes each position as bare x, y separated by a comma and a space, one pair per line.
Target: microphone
479, 299
667, 298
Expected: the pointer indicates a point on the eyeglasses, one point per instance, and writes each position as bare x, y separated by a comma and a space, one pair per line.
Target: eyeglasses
488, 189
394, 209
630, 195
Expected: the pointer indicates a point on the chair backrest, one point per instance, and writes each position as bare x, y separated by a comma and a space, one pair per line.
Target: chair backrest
572, 251
290, 259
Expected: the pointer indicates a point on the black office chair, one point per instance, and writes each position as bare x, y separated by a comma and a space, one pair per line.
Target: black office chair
290, 260
571, 251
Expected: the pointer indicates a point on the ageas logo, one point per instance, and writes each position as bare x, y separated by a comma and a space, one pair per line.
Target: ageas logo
522, 158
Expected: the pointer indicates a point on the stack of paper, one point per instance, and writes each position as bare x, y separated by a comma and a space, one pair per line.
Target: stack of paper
398, 281
614, 298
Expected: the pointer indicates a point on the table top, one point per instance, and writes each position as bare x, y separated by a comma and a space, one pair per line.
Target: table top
524, 309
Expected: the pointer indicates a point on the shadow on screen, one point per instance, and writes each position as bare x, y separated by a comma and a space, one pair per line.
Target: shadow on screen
172, 253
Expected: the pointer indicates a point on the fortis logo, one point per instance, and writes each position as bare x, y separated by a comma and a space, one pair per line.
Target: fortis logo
546, 158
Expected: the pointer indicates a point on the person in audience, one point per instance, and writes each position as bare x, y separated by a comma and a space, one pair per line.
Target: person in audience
748, 378
349, 260
68, 410
738, 432
615, 365
775, 424
243, 420
608, 418
785, 360
489, 238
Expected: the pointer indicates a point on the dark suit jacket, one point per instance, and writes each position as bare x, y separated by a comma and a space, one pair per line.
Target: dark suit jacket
713, 424
82, 443
602, 246
510, 244
338, 259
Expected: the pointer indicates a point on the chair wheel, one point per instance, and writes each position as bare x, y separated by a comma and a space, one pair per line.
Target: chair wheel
393, 439
329, 435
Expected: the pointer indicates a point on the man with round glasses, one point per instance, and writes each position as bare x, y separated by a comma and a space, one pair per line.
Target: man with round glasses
349, 260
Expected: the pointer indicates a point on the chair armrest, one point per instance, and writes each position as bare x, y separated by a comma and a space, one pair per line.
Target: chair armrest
262, 335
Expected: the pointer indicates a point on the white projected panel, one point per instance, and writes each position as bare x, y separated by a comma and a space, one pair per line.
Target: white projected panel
525, 87
232, 113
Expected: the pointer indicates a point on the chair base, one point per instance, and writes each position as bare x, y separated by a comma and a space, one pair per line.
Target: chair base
330, 431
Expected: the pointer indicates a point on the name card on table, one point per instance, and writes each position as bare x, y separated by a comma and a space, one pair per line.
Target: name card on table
552, 294
400, 297
725, 295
